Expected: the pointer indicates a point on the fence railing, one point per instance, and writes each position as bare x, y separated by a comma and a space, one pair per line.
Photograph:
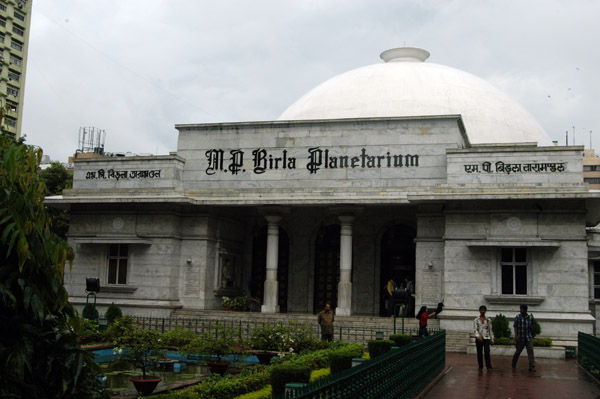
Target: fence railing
244, 328
400, 373
588, 351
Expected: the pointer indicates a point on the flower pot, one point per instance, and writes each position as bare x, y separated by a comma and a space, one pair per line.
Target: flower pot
218, 367
264, 357
145, 386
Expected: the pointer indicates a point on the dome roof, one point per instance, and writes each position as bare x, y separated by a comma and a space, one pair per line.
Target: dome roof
404, 85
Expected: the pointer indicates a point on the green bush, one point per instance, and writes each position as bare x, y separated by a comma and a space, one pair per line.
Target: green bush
500, 327
401, 339
317, 375
537, 329
120, 327
112, 313
542, 342
294, 337
286, 373
264, 393
340, 361
178, 337
504, 341
379, 347
90, 312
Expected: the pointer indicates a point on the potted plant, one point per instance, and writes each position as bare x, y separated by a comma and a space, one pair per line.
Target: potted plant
216, 346
141, 347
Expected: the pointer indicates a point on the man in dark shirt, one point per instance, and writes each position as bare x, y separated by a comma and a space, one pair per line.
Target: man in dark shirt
523, 326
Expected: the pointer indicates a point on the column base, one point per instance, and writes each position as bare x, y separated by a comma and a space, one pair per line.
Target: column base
344, 307
269, 309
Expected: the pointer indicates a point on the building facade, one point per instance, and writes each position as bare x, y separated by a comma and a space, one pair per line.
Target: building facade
311, 209
15, 18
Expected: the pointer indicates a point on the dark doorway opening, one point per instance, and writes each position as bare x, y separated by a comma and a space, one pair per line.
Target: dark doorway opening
327, 267
259, 267
398, 252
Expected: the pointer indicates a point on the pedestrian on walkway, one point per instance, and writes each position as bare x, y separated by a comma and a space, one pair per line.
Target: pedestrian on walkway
484, 336
523, 326
422, 316
325, 320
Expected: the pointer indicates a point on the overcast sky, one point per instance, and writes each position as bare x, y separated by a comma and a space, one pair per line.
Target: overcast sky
136, 68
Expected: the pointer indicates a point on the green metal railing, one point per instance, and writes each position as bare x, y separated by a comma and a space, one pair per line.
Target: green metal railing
588, 351
244, 328
400, 373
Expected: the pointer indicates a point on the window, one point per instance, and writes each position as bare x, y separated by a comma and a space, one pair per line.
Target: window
592, 180
18, 30
14, 60
1, 38
20, 17
12, 122
17, 45
12, 105
14, 76
2, 7
513, 262
117, 263
12, 91
3, 22
597, 280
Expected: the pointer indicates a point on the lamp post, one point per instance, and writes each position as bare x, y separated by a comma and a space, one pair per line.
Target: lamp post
92, 285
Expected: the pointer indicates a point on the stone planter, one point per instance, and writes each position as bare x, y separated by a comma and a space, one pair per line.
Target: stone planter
145, 386
218, 367
264, 357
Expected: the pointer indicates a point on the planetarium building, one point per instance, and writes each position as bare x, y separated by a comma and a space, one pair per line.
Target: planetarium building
403, 169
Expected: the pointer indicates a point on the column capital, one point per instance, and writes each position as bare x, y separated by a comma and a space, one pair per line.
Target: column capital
346, 219
273, 218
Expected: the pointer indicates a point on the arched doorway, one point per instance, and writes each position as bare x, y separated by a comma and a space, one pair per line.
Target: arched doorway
327, 267
397, 259
259, 267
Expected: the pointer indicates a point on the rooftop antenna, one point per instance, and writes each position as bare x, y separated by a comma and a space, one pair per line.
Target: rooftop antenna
567, 138
573, 135
591, 148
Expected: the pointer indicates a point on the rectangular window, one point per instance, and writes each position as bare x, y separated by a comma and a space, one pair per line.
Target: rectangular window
229, 265
14, 76
12, 91
12, 105
11, 121
20, 17
513, 263
14, 60
3, 22
18, 30
2, 7
17, 45
1, 38
117, 263
597, 280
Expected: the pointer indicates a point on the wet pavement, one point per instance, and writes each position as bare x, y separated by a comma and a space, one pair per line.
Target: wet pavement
553, 378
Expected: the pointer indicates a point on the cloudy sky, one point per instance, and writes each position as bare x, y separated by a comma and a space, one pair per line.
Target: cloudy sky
136, 68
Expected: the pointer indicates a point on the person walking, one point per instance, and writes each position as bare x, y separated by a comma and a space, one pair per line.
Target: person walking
325, 320
484, 336
523, 326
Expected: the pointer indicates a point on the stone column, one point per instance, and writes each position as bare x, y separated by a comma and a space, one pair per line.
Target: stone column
344, 304
271, 288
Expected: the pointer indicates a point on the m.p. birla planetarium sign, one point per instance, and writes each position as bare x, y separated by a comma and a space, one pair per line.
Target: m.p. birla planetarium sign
259, 161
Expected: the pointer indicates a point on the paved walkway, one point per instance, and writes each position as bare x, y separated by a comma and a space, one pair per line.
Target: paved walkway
553, 378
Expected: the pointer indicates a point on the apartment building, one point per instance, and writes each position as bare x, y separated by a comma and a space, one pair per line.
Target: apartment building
15, 19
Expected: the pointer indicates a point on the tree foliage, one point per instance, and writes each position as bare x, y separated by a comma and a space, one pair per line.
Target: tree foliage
57, 178
39, 353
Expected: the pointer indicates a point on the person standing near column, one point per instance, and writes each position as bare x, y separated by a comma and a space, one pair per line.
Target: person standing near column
325, 320
523, 326
484, 336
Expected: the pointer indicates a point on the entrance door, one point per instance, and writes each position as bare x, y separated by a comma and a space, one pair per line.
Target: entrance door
327, 267
259, 267
397, 260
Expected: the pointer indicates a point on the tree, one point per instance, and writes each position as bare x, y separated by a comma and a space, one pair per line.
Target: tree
57, 178
39, 353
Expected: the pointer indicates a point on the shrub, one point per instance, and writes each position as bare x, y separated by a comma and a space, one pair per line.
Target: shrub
500, 326
264, 393
286, 373
90, 312
226, 343
294, 337
504, 341
401, 339
317, 375
537, 329
112, 313
178, 337
542, 342
122, 326
379, 347
340, 361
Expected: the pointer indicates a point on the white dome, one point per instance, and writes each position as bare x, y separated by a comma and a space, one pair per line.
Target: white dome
404, 85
